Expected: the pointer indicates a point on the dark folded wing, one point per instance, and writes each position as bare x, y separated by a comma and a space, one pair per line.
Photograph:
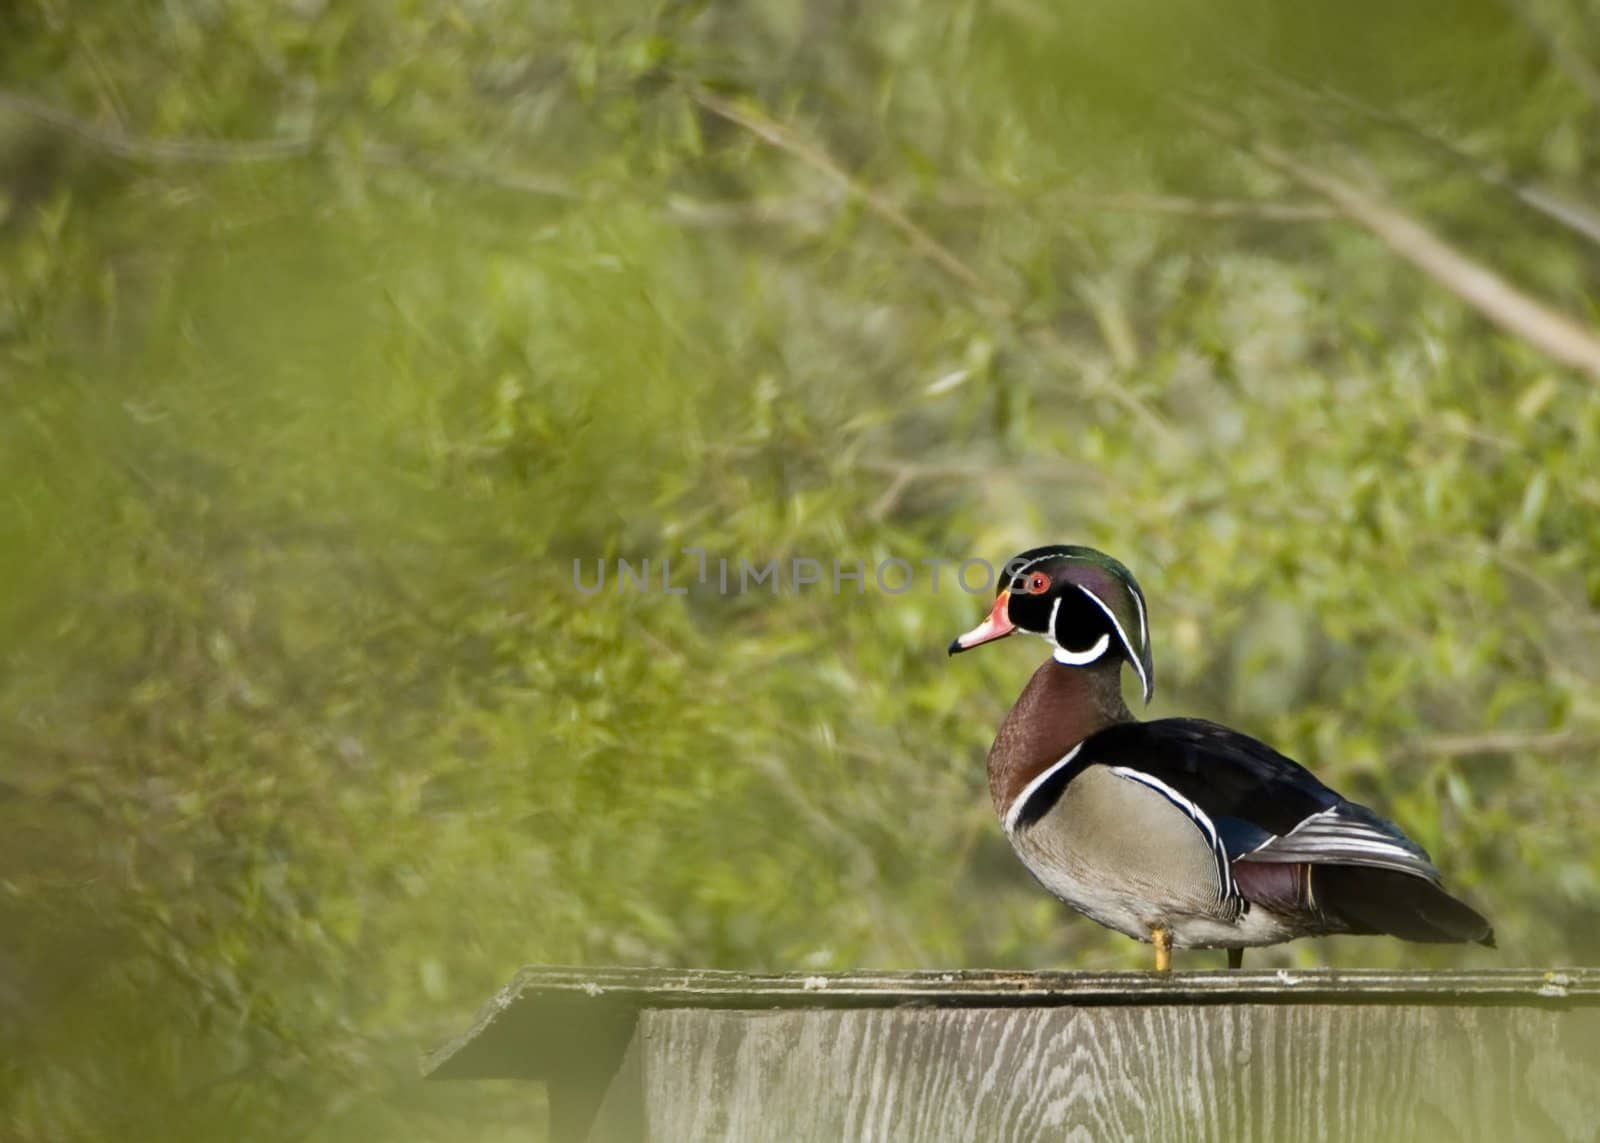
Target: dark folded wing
1263, 806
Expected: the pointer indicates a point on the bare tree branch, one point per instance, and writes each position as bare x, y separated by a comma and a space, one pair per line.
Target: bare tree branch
1560, 48
814, 210
790, 210
135, 149
388, 155
124, 146
1179, 205
780, 136
1575, 216
1499, 742
904, 474
1512, 309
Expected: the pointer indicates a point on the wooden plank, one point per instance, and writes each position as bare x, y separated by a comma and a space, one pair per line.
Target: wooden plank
1368, 1072
564, 1006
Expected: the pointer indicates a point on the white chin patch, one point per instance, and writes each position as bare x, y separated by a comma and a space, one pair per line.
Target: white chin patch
1086, 656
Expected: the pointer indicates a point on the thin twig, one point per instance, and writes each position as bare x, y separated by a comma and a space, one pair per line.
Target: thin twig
890, 499
1499, 742
388, 155
978, 469
125, 146
1561, 50
133, 148
868, 875
1477, 285
1195, 207
904, 474
1133, 203
813, 210
781, 137
1575, 216
808, 210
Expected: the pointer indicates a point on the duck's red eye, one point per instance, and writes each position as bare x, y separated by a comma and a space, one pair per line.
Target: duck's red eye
1038, 583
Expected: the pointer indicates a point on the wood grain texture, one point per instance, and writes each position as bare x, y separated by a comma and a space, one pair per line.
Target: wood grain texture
1370, 1073
567, 1006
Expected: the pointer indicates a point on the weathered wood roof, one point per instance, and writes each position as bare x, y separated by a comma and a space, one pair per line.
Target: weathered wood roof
546, 1017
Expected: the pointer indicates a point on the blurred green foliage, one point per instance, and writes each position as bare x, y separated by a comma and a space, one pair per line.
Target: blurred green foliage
333, 331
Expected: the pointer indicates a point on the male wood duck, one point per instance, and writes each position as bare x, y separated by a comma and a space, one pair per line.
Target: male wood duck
1179, 832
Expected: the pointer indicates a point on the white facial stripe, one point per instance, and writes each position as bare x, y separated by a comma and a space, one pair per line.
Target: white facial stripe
1020, 802
1138, 663
1207, 827
1024, 567
1082, 658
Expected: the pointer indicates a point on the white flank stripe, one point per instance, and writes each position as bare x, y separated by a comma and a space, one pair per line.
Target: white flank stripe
1207, 827
1138, 663
1020, 802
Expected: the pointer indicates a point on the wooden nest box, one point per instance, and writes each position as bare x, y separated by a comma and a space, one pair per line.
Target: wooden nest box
662, 1055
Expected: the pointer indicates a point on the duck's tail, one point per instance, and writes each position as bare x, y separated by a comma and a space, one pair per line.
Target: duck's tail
1403, 905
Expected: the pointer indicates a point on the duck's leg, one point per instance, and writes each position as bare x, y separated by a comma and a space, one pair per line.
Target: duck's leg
1235, 958
1162, 939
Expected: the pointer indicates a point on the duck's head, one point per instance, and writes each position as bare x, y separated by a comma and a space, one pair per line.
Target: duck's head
1086, 604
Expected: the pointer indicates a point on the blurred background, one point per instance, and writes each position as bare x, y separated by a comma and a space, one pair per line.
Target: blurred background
333, 331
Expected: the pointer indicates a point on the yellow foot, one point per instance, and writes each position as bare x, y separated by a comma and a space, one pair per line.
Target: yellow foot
1163, 942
